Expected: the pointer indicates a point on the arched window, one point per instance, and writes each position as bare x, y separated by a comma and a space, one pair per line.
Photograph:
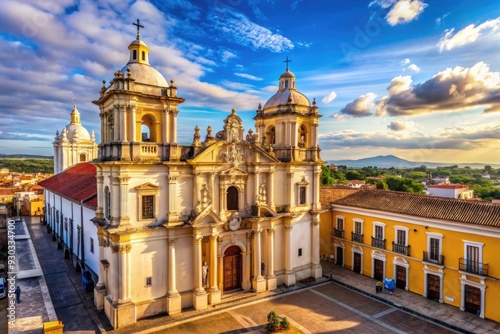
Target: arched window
232, 198
107, 203
83, 157
134, 54
146, 135
272, 135
148, 132
302, 136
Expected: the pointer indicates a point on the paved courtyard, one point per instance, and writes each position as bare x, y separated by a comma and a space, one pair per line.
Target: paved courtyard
342, 302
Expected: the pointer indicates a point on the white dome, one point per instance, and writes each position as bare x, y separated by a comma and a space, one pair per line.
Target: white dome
78, 129
287, 93
145, 74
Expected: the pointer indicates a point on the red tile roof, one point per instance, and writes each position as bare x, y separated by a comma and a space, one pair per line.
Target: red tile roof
450, 209
78, 183
448, 186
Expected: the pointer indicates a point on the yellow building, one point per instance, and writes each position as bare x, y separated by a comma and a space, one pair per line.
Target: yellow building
444, 249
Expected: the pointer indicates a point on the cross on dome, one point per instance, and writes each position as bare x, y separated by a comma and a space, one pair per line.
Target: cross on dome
139, 26
287, 61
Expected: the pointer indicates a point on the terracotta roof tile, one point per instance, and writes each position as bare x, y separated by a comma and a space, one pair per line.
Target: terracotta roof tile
77, 182
462, 211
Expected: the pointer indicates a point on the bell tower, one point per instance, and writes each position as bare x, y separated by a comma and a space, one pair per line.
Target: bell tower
288, 123
138, 111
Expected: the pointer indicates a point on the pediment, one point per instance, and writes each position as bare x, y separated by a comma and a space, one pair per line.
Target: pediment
206, 218
147, 186
233, 172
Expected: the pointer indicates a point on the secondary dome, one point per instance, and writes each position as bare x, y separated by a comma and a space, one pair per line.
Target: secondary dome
287, 93
75, 131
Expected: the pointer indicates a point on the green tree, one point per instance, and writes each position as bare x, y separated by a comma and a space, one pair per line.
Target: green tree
381, 184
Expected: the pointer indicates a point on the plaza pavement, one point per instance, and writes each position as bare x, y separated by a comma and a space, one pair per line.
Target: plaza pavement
342, 301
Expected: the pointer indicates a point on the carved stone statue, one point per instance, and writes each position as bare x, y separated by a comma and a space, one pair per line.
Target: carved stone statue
204, 271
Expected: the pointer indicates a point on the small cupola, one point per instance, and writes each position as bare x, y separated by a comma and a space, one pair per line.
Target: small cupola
138, 49
75, 116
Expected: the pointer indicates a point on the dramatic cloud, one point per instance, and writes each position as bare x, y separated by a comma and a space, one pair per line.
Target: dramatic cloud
401, 11
455, 138
239, 29
329, 98
396, 126
453, 89
361, 107
248, 76
467, 35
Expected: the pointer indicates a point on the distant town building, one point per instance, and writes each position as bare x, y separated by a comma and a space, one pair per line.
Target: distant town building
486, 176
357, 184
459, 191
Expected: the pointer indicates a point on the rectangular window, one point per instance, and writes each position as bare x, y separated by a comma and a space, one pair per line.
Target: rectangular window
149, 281
300, 251
91, 245
358, 228
434, 249
472, 257
340, 224
379, 232
401, 237
148, 206
302, 195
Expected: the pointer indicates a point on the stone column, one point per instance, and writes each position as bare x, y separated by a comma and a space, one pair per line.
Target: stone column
132, 131
115, 200
174, 125
270, 192
271, 278
123, 124
100, 288
104, 125
196, 190
215, 295
164, 121
316, 188
100, 195
291, 190
116, 124
245, 283
211, 180
199, 294
174, 305
289, 277
173, 216
258, 282
124, 278
124, 218
316, 270
220, 266
256, 185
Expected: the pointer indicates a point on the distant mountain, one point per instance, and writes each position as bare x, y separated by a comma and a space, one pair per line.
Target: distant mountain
388, 161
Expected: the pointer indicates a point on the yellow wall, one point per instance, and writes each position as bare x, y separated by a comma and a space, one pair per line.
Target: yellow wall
452, 249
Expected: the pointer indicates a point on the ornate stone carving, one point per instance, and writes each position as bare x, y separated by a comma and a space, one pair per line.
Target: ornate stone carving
232, 155
115, 248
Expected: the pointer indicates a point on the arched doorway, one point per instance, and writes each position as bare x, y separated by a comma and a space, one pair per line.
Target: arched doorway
232, 268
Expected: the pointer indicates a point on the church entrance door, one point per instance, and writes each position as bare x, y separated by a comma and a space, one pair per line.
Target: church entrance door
232, 268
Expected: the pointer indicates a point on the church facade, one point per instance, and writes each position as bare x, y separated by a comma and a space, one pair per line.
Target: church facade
180, 225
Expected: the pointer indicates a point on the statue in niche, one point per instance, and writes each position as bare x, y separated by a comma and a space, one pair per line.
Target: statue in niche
204, 271
262, 193
205, 198
235, 222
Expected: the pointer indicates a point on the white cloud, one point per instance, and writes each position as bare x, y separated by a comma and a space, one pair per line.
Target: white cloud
248, 76
467, 35
239, 29
414, 68
439, 20
226, 55
404, 11
330, 97
338, 116
361, 107
405, 62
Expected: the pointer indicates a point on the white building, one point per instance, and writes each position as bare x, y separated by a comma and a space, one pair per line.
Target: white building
459, 191
74, 144
246, 204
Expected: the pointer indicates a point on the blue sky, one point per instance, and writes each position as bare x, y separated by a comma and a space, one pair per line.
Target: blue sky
419, 79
